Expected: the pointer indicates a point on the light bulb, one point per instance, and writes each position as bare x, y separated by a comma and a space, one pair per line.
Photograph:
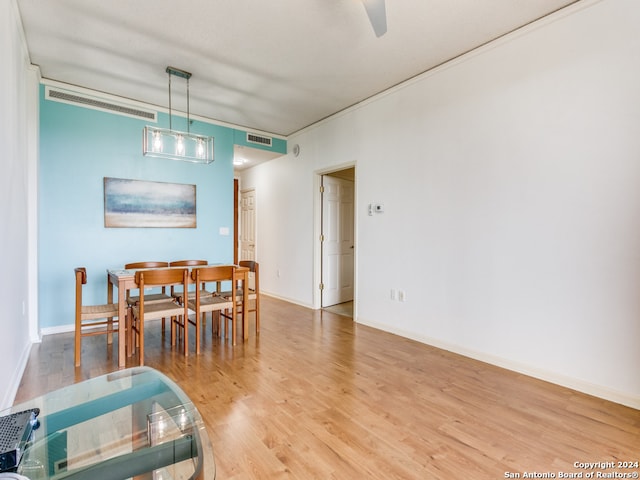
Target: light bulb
200, 149
157, 142
180, 145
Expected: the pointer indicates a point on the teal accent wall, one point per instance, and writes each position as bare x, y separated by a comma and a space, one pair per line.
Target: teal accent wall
78, 148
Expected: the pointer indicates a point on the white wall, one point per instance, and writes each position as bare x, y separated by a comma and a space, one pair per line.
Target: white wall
284, 215
17, 123
511, 185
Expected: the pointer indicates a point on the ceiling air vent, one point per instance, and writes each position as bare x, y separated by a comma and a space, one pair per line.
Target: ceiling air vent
98, 104
253, 138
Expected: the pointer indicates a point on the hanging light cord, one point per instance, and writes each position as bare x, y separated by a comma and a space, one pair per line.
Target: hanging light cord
169, 73
188, 120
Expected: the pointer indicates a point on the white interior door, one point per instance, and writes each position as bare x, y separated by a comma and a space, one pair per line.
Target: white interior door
337, 240
247, 225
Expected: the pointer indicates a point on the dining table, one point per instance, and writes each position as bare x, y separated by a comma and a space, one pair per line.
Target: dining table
125, 279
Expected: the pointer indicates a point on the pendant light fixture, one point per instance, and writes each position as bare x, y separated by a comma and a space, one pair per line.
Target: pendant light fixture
174, 144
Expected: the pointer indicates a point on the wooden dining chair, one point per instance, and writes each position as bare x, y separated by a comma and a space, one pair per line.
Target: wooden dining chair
160, 296
202, 304
151, 297
254, 288
143, 310
91, 319
178, 293
254, 291
175, 293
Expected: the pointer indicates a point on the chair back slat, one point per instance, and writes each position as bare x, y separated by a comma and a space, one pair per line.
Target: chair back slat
134, 265
250, 264
253, 267
188, 263
161, 277
212, 274
81, 275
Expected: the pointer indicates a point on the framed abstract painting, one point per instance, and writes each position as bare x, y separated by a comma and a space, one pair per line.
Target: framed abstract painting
142, 204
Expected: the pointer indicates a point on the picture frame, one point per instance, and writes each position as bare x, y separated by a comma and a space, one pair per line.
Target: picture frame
146, 204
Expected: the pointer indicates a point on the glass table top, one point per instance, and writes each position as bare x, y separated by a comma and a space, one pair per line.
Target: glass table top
131, 423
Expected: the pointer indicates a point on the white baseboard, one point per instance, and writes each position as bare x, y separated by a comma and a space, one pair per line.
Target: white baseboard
285, 299
67, 329
10, 393
57, 329
595, 390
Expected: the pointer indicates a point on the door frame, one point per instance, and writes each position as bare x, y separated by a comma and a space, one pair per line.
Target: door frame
317, 249
236, 213
255, 222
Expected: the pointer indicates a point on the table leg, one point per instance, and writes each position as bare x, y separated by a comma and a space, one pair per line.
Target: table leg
245, 305
110, 319
122, 323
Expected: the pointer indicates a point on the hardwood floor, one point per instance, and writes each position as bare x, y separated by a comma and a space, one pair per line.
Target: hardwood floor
317, 396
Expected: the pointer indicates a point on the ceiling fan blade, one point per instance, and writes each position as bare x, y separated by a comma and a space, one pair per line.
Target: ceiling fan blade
377, 15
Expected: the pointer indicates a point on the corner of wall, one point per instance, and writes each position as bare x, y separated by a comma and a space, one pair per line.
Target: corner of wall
12, 387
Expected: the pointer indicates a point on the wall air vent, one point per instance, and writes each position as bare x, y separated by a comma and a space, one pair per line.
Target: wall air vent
74, 98
253, 138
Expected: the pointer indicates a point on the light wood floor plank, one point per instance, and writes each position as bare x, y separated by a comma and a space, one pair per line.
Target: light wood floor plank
317, 396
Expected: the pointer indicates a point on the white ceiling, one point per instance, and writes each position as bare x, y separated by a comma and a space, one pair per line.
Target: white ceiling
273, 66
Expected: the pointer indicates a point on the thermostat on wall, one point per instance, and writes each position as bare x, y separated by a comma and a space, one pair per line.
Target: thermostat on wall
376, 207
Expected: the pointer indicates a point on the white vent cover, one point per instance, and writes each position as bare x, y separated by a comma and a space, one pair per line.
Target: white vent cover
260, 139
75, 98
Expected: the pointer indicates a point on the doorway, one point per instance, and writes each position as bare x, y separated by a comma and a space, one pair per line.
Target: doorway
338, 241
247, 240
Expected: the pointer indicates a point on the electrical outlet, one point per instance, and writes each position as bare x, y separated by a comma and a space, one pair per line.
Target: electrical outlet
402, 296
394, 294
